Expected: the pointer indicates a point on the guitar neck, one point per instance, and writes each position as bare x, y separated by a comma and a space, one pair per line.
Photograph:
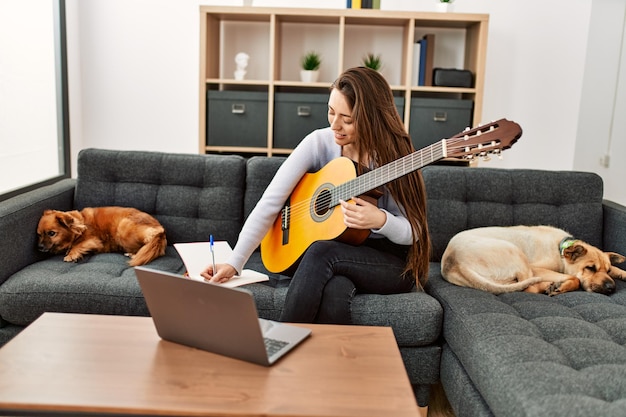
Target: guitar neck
388, 172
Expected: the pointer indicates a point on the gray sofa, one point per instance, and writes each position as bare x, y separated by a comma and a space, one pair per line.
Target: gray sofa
510, 355
524, 354
193, 196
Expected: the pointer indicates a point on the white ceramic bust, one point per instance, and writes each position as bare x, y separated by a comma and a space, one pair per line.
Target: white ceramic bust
241, 59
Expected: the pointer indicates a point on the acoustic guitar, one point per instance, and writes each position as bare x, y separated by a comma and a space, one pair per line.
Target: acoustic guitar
310, 213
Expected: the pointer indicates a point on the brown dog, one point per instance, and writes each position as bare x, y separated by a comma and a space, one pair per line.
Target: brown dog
99, 230
538, 259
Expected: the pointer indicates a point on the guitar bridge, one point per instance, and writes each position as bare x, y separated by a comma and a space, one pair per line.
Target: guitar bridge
285, 214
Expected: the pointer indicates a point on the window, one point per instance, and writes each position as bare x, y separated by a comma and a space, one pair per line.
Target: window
34, 121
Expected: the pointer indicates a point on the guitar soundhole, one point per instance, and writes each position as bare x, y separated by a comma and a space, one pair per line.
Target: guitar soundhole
321, 205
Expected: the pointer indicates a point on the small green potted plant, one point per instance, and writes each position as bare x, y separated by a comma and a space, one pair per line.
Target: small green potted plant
310, 63
372, 61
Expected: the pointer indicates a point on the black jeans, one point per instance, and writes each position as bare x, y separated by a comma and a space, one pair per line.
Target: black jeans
330, 273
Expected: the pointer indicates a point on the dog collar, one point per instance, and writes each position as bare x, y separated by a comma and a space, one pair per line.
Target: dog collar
565, 243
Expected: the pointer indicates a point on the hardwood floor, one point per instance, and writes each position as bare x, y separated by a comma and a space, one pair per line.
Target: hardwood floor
438, 405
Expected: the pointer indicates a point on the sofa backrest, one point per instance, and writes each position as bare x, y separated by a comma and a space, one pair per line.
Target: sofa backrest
259, 172
462, 198
193, 196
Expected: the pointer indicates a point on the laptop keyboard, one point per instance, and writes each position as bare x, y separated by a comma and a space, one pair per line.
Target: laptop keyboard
272, 345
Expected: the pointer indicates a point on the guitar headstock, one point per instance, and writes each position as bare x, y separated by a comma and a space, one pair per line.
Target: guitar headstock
484, 140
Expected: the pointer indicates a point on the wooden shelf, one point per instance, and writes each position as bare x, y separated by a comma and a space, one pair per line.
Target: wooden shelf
276, 38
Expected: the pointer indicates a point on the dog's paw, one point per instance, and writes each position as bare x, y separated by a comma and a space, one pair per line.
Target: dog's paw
559, 287
553, 289
72, 258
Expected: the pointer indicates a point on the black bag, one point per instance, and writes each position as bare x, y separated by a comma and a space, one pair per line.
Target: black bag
449, 77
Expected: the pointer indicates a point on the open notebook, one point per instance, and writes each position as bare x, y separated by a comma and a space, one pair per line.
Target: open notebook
197, 256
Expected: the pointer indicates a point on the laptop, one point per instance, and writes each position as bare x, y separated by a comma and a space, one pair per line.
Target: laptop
214, 318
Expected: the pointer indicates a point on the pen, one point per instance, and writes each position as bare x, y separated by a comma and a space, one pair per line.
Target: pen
212, 253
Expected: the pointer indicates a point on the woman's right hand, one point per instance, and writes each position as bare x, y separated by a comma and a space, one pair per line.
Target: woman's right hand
223, 273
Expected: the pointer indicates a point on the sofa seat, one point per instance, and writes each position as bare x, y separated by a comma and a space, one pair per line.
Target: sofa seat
105, 284
523, 354
98, 284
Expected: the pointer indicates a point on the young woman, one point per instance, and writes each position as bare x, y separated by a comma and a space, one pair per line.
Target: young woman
365, 127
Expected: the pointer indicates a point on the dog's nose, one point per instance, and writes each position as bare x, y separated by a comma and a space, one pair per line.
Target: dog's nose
608, 287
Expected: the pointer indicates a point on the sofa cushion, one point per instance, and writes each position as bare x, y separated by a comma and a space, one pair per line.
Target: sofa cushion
532, 355
8, 332
98, 284
461, 198
193, 196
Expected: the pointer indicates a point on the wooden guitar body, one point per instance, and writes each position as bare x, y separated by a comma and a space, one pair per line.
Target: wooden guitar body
310, 217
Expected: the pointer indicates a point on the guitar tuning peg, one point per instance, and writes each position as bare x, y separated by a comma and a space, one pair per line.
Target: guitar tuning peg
485, 156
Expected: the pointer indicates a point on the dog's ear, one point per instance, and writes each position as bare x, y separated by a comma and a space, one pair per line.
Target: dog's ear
574, 252
71, 220
615, 272
63, 219
616, 258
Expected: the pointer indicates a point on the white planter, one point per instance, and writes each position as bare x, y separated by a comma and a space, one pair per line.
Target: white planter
308, 76
445, 7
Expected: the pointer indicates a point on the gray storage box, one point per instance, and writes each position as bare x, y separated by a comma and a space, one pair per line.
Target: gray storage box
400, 106
296, 115
435, 119
236, 118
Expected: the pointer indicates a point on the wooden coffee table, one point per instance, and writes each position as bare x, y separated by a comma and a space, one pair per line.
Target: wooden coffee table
117, 365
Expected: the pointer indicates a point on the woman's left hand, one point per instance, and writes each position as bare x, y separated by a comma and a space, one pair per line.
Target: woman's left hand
362, 214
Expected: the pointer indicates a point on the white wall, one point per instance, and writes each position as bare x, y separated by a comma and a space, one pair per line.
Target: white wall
137, 83
602, 126
138, 80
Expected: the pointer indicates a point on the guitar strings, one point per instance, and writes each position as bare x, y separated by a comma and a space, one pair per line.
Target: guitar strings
370, 180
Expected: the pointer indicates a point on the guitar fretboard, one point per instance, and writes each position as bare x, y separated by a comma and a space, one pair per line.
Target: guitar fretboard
388, 172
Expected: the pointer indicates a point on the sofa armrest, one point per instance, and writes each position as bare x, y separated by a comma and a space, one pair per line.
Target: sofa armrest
614, 227
18, 223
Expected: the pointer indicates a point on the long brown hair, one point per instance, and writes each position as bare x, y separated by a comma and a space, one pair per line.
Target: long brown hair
382, 138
